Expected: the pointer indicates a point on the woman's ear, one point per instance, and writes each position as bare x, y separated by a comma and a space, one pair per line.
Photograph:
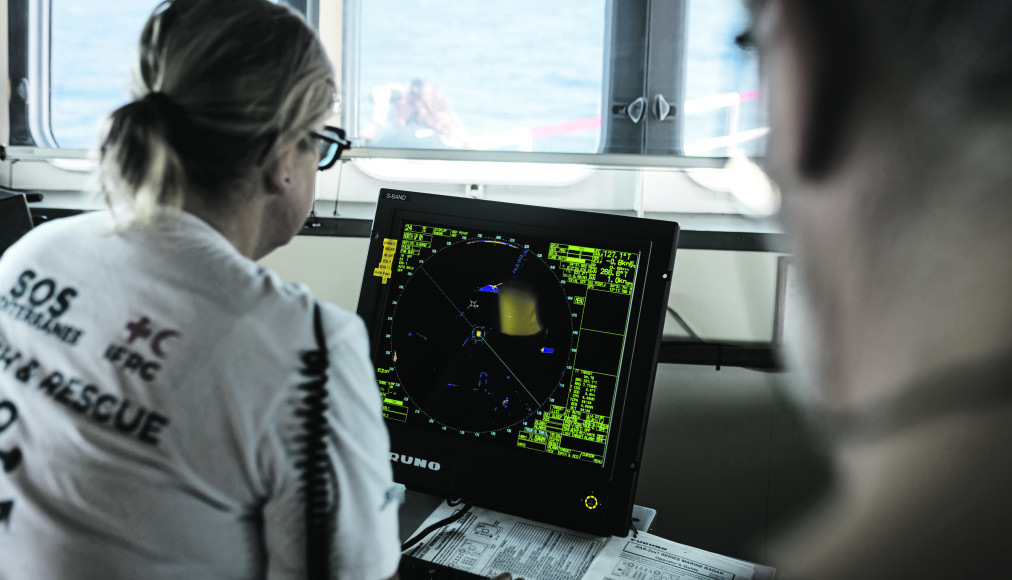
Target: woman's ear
278, 176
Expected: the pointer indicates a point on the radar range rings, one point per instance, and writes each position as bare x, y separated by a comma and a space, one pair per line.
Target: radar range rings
481, 335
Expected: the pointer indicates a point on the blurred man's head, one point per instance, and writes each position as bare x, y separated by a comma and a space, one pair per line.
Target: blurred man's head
930, 57
891, 136
891, 139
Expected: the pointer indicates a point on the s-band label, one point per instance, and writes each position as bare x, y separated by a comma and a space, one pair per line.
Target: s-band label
415, 461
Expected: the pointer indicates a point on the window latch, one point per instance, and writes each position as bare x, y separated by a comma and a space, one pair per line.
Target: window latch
661, 107
633, 110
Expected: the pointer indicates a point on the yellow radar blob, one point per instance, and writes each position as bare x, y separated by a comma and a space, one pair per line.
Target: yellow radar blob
518, 312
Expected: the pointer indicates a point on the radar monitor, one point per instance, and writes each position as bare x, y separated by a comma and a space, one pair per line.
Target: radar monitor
515, 350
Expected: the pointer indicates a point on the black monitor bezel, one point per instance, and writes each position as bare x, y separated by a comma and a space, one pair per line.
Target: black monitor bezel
655, 240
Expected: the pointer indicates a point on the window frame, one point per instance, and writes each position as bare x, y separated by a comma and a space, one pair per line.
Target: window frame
29, 24
28, 73
641, 45
644, 37
640, 69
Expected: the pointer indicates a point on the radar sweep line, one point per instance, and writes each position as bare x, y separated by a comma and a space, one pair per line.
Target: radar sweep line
448, 299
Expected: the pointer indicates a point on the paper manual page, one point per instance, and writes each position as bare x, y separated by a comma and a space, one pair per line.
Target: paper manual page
649, 556
487, 543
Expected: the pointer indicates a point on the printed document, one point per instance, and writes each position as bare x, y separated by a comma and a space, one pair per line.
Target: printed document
487, 543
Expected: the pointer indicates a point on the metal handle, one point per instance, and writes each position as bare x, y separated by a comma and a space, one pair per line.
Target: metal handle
633, 110
661, 107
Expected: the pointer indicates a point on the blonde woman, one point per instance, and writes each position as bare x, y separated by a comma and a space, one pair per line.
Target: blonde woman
168, 408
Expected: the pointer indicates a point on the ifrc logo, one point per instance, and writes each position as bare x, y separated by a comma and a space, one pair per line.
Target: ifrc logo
128, 359
143, 329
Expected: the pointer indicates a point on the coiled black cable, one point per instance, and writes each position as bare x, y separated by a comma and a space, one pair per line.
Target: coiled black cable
315, 470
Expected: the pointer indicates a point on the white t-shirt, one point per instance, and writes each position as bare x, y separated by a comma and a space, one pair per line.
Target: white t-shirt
150, 412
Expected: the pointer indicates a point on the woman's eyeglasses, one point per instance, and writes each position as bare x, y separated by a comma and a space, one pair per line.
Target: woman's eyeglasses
332, 144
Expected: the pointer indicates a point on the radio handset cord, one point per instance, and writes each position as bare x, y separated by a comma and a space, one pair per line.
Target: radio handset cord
315, 470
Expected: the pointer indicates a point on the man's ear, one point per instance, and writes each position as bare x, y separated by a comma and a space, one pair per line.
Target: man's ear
278, 176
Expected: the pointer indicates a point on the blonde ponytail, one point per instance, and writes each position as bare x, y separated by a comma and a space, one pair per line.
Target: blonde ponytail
138, 156
220, 88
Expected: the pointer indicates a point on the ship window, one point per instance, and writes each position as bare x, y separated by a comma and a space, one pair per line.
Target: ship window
70, 65
90, 65
496, 76
571, 76
507, 75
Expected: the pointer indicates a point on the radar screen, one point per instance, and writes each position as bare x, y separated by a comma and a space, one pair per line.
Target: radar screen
488, 334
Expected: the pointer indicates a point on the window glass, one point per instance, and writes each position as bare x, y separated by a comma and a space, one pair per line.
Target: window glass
93, 42
723, 109
512, 75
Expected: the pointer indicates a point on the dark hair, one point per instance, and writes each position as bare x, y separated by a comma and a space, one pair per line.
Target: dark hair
956, 52
220, 88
